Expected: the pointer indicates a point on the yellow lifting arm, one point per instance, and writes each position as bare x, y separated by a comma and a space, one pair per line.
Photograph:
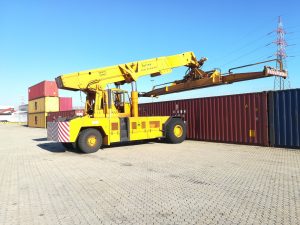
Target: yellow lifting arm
214, 78
125, 73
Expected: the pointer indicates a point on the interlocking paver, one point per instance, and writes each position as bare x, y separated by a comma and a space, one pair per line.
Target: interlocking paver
150, 183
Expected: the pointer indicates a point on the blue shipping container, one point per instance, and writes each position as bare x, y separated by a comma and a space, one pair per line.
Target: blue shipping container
284, 118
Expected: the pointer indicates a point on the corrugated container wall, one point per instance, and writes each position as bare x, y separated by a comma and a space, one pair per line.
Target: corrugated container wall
284, 118
233, 119
65, 103
43, 89
37, 120
54, 116
46, 104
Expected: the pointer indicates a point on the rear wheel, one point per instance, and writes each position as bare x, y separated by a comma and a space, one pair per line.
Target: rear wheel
176, 131
89, 140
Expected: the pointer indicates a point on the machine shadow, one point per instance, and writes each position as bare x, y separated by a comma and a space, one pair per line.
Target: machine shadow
129, 143
56, 147
39, 139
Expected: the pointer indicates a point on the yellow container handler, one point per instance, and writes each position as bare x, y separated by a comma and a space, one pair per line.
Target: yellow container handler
111, 115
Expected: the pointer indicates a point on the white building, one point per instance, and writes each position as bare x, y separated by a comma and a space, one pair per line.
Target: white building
8, 114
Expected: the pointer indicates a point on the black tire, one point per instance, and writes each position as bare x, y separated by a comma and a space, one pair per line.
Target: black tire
171, 135
85, 145
69, 145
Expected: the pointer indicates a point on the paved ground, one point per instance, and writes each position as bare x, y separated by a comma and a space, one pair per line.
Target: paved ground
152, 183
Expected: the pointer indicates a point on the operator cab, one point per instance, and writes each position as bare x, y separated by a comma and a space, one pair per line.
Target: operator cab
112, 102
120, 102
90, 103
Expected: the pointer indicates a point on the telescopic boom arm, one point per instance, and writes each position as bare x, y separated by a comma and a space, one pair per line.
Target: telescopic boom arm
125, 73
98, 79
214, 78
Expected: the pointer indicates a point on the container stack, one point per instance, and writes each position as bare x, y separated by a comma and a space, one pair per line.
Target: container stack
241, 119
65, 104
62, 115
42, 99
284, 118
269, 118
65, 110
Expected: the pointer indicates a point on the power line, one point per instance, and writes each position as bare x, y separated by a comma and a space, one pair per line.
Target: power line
292, 39
243, 55
246, 35
243, 46
262, 58
289, 27
292, 32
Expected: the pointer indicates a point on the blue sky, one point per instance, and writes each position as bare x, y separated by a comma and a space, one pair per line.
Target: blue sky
40, 40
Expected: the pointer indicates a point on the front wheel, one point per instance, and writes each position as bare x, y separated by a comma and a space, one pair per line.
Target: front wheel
176, 131
89, 140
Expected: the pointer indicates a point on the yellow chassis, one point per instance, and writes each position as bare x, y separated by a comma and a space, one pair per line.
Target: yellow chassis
139, 128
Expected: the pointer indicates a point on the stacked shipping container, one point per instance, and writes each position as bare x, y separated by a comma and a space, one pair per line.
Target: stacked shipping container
43, 89
42, 98
65, 110
65, 104
267, 118
284, 118
62, 115
45, 104
235, 119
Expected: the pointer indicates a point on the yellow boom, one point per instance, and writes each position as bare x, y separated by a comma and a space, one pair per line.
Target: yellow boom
214, 78
124, 73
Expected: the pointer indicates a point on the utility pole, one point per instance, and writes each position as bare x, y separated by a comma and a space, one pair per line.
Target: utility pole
279, 83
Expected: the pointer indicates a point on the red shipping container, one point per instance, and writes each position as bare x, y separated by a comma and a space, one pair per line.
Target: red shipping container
65, 104
54, 116
234, 119
43, 89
